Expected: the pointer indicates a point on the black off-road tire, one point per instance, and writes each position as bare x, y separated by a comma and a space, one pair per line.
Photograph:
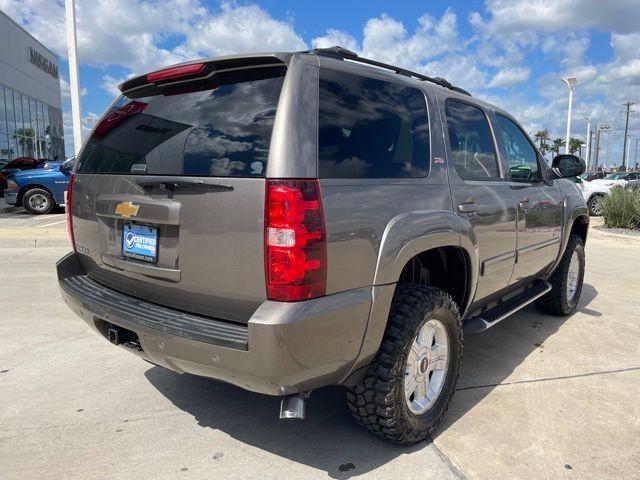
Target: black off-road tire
378, 402
556, 301
49, 205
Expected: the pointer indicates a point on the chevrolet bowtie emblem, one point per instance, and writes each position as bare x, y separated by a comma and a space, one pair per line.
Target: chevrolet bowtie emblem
127, 209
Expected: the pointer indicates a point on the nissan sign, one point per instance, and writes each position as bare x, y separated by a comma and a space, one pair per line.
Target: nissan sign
43, 63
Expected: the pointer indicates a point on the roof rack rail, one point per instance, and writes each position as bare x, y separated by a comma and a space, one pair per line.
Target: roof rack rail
342, 53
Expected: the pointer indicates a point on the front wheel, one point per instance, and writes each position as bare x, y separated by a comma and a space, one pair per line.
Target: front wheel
408, 388
595, 205
566, 281
38, 201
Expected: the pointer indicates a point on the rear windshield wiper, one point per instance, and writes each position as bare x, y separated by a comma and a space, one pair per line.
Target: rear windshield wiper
172, 183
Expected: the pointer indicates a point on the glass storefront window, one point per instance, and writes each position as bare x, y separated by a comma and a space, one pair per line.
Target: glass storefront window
47, 125
3, 113
19, 117
11, 119
5, 153
32, 116
40, 117
25, 113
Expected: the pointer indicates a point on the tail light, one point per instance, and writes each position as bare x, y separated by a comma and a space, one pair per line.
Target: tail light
68, 205
176, 72
295, 241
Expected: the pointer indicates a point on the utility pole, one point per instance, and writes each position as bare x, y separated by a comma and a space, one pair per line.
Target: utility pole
597, 149
592, 134
72, 45
588, 139
626, 131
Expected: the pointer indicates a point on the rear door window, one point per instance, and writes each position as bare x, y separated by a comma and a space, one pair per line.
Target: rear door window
220, 129
370, 128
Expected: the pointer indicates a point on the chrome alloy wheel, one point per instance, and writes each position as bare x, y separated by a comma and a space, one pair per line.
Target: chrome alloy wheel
573, 277
426, 369
39, 202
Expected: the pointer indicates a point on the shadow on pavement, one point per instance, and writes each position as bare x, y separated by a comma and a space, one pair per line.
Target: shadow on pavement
329, 439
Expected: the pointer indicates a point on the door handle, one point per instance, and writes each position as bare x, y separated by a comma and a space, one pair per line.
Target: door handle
468, 207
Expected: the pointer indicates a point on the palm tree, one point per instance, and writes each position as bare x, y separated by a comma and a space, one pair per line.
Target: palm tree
25, 137
574, 145
542, 136
558, 143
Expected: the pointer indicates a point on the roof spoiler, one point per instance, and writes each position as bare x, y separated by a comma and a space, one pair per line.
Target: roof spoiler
199, 69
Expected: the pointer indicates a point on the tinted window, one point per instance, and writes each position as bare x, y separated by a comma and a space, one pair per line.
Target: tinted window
472, 148
371, 129
220, 130
522, 157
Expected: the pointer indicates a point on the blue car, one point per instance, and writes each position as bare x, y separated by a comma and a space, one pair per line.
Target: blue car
39, 190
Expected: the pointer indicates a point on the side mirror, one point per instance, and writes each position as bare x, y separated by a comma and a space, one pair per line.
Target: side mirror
67, 167
566, 165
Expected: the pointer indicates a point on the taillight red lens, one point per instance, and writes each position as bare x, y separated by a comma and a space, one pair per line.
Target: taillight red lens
295, 240
175, 72
68, 206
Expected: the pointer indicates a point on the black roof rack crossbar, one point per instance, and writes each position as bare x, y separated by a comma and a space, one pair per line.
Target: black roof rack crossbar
342, 53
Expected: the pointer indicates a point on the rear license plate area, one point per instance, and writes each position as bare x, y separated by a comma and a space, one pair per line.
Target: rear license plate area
140, 242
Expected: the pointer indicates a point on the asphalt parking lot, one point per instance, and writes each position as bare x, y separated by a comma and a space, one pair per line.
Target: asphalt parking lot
539, 397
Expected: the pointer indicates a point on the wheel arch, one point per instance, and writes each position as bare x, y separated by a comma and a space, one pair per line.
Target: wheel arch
413, 237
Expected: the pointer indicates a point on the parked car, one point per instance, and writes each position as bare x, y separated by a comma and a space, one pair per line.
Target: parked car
288, 221
593, 193
596, 175
39, 190
18, 164
620, 179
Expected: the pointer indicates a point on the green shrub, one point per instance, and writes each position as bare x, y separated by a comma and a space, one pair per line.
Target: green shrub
621, 209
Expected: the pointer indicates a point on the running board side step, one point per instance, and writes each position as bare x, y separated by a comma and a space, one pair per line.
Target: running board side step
489, 318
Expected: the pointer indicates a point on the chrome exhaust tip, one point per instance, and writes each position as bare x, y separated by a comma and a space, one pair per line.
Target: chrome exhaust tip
292, 407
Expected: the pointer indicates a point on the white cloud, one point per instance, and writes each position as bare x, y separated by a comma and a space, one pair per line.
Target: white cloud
241, 29
510, 77
65, 88
110, 85
386, 39
336, 37
508, 16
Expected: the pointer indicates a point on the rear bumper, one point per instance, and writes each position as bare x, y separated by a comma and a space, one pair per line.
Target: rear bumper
285, 348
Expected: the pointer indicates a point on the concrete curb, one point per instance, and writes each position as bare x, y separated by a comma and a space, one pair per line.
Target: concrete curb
34, 242
604, 233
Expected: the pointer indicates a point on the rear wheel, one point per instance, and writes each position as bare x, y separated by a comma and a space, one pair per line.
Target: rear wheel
566, 281
595, 205
38, 201
408, 388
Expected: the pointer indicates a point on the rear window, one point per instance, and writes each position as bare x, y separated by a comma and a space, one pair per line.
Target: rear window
371, 128
222, 130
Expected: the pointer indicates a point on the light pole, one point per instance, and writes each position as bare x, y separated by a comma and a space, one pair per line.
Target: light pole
636, 155
570, 82
586, 153
76, 110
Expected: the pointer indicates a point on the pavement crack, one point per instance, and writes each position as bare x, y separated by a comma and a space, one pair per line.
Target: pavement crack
550, 379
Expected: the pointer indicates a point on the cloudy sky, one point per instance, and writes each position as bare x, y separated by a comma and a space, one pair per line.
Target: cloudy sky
509, 52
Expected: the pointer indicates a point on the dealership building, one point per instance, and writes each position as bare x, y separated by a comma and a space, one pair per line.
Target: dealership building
30, 99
